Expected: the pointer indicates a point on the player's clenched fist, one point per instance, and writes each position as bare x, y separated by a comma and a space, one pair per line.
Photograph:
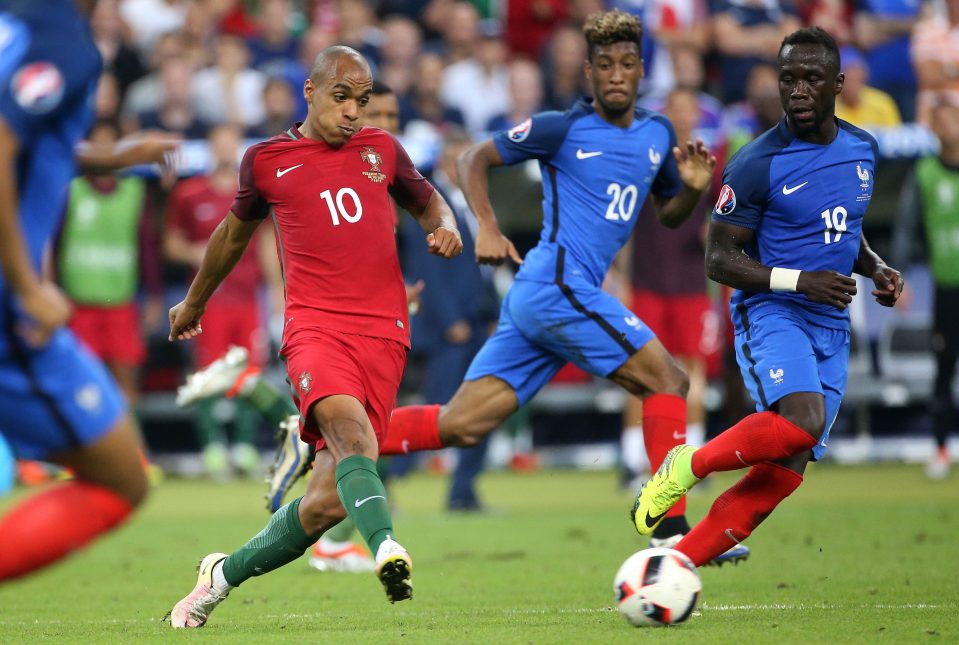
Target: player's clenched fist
827, 287
492, 247
445, 242
185, 321
889, 284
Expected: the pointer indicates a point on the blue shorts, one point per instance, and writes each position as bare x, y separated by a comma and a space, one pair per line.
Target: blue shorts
781, 353
56, 398
542, 326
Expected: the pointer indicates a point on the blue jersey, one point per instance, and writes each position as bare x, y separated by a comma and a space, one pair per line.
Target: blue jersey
49, 67
595, 178
805, 203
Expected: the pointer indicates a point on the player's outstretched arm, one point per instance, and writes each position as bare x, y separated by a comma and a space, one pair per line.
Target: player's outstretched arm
492, 247
224, 249
437, 219
888, 281
138, 148
696, 166
727, 263
43, 303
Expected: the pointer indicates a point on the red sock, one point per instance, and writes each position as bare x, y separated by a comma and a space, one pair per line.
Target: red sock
52, 524
664, 426
763, 436
736, 513
412, 428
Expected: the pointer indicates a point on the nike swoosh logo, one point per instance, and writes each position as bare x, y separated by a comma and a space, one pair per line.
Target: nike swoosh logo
679, 436
651, 521
586, 155
280, 173
789, 191
729, 534
405, 445
739, 456
360, 502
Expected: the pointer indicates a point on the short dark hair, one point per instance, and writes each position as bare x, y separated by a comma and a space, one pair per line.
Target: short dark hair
814, 36
380, 88
608, 27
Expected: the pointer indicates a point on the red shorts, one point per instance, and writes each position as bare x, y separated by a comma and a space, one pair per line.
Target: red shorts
321, 363
112, 333
686, 325
232, 323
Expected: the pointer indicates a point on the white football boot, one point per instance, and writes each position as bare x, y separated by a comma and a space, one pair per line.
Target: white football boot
345, 557
196, 607
394, 568
216, 379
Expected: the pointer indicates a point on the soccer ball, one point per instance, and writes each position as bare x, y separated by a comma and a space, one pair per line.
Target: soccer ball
657, 587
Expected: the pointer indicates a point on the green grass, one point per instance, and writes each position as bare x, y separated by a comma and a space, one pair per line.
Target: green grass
866, 555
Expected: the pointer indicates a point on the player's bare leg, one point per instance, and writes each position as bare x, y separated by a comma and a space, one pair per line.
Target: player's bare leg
109, 483
478, 407
352, 443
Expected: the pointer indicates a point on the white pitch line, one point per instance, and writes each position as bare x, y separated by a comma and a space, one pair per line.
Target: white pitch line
707, 607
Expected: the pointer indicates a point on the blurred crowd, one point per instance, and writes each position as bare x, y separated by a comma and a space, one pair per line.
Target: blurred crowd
231, 71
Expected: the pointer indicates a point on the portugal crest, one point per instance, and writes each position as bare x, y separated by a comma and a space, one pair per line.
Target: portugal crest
305, 382
372, 157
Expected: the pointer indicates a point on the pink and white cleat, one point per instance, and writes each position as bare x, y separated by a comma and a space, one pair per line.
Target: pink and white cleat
194, 610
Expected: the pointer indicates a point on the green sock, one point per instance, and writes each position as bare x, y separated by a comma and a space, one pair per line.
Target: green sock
245, 419
364, 499
208, 429
282, 541
274, 405
342, 532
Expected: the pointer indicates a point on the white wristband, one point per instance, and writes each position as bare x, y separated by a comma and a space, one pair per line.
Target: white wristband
784, 279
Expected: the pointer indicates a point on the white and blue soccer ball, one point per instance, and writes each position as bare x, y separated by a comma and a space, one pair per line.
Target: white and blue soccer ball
657, 587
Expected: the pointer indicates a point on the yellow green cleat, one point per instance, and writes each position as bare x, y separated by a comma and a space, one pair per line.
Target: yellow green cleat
666, 487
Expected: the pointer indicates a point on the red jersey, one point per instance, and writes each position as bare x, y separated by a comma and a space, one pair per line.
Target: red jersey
195, 210
334, 223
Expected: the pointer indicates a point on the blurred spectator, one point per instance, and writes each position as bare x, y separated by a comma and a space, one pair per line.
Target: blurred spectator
748, 32
935, 53
690, 74
458, 307
423, 103
106, 249
937, 180
669, 293
274, 39
525, 95
762, 109
147, 92
232, 317
529, 24
175, 111
107, 101
668, 25
835, 16
150, 19
358, 29
860, 104
479, 86
402, 43
460, 30
881, 29
279, 105
112, 37
229, 91
565, 81
294, 72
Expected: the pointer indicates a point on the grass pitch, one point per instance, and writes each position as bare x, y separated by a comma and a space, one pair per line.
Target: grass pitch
866, 555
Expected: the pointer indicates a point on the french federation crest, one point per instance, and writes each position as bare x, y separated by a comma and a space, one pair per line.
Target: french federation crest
863, 176
372, 157
726, 203
306, 382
